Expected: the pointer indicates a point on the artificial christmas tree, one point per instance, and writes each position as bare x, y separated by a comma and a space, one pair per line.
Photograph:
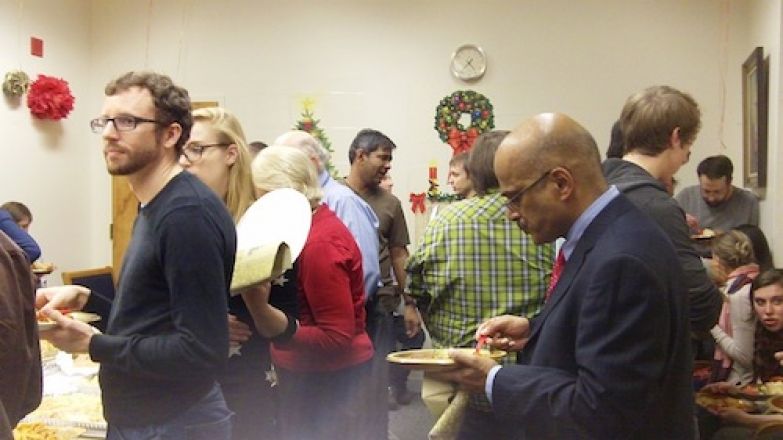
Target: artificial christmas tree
309, 124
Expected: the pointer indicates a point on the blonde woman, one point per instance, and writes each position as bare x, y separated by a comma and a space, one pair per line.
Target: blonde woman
323, 359
732, 255
217, 153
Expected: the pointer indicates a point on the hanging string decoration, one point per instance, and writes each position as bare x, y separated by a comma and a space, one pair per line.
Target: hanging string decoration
50, 98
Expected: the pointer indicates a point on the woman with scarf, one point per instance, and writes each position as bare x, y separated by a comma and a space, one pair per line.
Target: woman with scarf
733, 261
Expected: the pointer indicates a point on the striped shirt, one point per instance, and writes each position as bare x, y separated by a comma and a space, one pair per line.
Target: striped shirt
473, 264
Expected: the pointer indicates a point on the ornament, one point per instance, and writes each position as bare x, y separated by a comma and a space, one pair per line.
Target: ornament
50, 98
15, 83
417, 203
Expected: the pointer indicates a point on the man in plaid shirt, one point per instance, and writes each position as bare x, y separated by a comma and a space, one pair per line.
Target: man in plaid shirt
473, 263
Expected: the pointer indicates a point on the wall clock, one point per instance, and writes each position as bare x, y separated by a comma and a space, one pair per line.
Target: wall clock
468, 62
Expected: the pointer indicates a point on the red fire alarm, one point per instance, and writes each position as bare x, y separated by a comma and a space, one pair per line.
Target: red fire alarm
36, 47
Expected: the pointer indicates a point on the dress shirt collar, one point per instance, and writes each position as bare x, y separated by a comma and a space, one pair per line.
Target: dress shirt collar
584, 220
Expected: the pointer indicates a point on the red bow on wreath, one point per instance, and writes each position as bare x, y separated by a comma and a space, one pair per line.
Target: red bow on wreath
417, 203
461, 141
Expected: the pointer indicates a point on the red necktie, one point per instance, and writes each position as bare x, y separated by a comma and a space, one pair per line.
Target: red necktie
556, 271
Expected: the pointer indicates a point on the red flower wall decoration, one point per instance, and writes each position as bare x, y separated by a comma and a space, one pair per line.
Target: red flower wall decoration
49, 98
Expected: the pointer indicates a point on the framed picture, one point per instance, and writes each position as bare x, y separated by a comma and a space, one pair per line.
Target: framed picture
755, 85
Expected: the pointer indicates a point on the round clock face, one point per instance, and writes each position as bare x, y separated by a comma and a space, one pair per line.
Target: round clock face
468, 62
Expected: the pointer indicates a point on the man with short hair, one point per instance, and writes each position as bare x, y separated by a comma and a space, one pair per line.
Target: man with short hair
354, 212
608, 357
167, 334
474, 263
370, 156
459, 176
659, 126
715, 203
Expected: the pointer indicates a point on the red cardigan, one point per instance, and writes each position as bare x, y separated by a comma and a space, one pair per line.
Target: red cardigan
331, 333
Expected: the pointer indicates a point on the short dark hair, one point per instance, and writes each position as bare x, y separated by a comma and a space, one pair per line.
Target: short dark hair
18, 211
481, 162
761, 250
172, 102
715, 167
616, 147
369, 140
649, 117
256, 147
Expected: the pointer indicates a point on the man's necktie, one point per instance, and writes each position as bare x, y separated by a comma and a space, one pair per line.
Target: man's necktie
556, 271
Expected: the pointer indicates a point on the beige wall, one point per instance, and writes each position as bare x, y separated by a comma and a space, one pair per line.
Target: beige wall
384, 64
45, 164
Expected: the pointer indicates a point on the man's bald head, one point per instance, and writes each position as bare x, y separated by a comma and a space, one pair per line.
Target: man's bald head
306, 143
549, 168
548, 140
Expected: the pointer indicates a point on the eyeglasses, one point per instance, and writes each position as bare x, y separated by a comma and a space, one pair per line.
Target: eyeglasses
121, 123
516, 198
193, 152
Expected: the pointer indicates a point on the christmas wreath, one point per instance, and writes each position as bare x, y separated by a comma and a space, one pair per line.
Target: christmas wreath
15, 83
49, 98
451, 109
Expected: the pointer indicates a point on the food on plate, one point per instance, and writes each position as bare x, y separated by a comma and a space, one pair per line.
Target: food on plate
34, 431
39, 267
763, 389
48, 350
39, 431
721, 401
77, 407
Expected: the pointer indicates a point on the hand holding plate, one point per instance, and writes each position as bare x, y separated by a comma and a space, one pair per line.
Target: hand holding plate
471, 372
69, 335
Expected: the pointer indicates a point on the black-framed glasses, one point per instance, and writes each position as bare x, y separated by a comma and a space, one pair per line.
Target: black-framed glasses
193, 152
121, 123
517, 197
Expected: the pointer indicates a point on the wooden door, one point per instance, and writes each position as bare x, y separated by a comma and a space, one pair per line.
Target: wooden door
124, 209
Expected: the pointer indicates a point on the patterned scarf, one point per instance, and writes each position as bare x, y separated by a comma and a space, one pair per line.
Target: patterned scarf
738, 278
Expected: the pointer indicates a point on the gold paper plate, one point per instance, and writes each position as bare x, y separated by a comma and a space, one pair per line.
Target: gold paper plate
79, 316
433, 359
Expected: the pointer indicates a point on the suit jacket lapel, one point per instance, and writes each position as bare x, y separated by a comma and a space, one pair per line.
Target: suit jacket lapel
575, 263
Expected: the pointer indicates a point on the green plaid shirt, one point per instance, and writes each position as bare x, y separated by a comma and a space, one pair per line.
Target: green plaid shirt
473, 264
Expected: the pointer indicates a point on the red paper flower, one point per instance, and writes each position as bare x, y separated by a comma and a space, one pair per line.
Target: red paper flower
49, 98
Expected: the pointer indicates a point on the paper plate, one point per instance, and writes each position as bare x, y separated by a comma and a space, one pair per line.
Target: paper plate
435, 359
280, 215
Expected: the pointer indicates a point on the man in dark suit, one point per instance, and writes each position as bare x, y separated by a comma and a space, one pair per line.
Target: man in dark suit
609, 355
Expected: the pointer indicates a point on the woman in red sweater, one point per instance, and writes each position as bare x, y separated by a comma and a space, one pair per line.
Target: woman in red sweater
323, 359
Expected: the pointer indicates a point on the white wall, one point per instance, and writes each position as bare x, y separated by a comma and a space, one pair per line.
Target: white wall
48, 165
384, 64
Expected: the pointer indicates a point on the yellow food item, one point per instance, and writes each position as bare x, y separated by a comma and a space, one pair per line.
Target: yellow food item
718, 401
34, 431
48, 351
707, 233
76, 407
771, 388
42, 267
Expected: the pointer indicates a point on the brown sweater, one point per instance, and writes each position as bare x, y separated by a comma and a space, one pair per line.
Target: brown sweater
20, 355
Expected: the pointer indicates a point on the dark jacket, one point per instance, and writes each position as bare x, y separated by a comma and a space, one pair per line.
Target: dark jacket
650, 196
609, 355
20, 354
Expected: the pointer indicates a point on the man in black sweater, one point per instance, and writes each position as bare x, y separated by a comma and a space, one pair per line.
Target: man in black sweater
659, 126
167, 334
